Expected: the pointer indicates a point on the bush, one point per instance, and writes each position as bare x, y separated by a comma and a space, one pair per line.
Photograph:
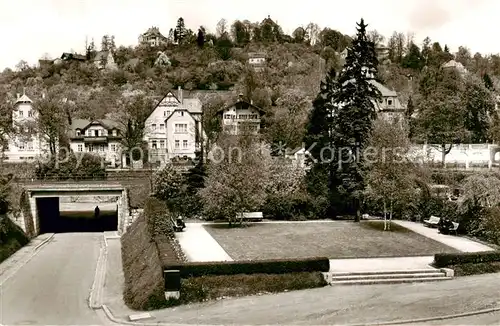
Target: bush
144, 283
157, 217
275, 266
445, 259
490, 223
73, 166
198, 289
476, 269
12, 238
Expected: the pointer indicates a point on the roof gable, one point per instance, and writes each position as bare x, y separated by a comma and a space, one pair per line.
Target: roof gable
242, 103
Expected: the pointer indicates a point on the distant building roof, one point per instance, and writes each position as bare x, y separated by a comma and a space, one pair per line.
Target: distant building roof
24, 99
83, 124
453, 64
383, 89
73, 56
101, 55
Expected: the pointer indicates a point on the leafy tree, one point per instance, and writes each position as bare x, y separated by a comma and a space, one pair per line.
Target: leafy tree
333, 39
235, 178
441, 113
488, 82
195, 181
211, 122
299, 35
168, 186
287, 125
356, 112
6, 126
52, 120
136, 109
240, 33
221, 28
200, 40
389, 178
223, 47
413, 59
5, 189
479, 107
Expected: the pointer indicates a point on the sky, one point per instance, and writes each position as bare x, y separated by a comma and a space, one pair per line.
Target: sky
31, 29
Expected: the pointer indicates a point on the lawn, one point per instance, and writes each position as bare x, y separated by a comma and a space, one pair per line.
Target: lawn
340, 239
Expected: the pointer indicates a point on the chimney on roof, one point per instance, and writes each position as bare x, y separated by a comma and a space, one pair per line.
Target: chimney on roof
179, 94
18, 96
240, 97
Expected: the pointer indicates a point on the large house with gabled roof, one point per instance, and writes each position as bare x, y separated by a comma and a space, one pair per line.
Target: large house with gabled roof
100, 137
173, 129
241, 116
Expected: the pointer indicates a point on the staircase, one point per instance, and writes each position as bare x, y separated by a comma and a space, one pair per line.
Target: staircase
388, 277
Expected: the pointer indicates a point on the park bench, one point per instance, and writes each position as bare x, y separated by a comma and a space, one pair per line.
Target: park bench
250, 216
177, 227
432, 222
455, 228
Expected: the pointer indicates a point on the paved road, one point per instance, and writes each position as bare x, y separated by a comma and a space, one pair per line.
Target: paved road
54, 286
485, 319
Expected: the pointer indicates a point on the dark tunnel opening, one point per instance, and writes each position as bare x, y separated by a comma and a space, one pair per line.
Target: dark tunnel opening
53, 220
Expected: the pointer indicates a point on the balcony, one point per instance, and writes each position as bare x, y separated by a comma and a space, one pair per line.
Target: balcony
94, 139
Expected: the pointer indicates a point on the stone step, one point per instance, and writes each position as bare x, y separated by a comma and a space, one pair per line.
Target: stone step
387, 276
390, 281
401, 271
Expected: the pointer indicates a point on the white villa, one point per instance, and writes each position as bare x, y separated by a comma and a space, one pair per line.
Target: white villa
173, 129
26, 144
99, 137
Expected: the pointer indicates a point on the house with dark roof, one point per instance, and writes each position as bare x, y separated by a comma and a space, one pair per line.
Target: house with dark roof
173, 129
241, 116
390, 106
100, 137
66, 56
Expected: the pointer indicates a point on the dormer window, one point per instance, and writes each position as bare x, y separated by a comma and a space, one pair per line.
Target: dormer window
78, 132
115, 132
389, 102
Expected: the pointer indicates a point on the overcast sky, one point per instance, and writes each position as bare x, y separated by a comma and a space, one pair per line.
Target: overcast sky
31, 28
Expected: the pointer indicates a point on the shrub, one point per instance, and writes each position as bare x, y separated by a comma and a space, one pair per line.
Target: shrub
12, 238
144, 283
447, 259
491, 224
276, 266
72, 166
476, 269
198, 289
157, 217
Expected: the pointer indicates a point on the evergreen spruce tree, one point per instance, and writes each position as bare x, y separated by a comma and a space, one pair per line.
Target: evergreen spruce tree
319, 140
488, 82
180, 31
355, 101
200, 39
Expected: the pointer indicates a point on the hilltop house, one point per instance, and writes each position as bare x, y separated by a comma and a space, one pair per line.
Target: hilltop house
242, 115
452, 64
104, 60
152, 37
26, 144
390, 106
257, 60
100, 137
173, 129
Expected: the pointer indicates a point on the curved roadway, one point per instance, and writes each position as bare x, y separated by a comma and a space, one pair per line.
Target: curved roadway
54, 286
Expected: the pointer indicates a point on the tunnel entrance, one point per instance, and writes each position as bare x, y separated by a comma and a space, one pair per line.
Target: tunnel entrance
82, 219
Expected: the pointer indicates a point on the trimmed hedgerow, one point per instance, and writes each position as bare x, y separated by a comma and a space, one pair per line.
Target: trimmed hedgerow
448, 259
274, 266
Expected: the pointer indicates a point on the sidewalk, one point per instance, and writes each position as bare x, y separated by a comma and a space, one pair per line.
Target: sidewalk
9, 266
459, 243
198, 245
381, 264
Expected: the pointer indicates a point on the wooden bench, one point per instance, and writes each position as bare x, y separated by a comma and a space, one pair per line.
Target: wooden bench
250, 216
432, 222
455, 228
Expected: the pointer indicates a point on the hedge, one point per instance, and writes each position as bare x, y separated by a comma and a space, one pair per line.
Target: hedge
274, 266
443, 260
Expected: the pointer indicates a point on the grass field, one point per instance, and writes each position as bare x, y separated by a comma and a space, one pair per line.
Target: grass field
342, 239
